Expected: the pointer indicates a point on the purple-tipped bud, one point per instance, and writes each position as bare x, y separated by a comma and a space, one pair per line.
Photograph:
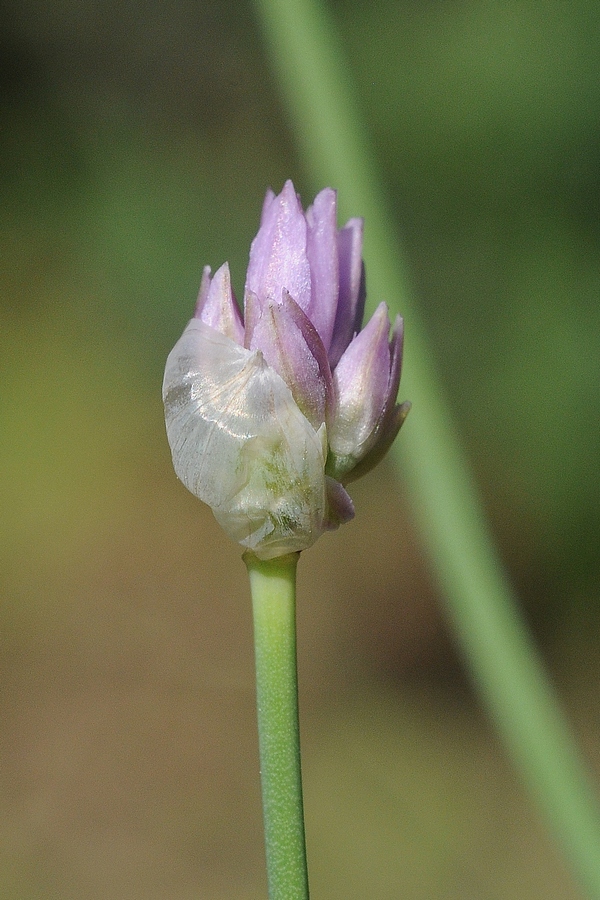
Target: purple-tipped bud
351, 301
366, 384
322, 252
278, 259
393, 415
269, 418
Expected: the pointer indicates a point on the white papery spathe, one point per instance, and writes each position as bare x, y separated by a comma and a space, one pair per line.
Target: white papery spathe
240, 444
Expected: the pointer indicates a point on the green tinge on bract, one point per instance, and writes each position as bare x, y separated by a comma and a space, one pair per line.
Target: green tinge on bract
280, 509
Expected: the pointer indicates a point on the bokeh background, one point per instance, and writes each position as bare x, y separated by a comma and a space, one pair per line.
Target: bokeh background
137, 139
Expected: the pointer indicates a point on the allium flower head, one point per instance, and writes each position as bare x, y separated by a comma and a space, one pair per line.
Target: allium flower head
269, 417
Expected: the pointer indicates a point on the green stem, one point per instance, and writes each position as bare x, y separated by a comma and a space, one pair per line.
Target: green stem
510, 676
273, 588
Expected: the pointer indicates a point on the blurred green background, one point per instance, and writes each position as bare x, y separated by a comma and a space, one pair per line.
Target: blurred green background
137, 140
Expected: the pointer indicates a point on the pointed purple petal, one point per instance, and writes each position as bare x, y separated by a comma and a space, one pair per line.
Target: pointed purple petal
278, 258
290, 344
392, 416
322, 253
361, 382
351, 302
217, 306
269, 197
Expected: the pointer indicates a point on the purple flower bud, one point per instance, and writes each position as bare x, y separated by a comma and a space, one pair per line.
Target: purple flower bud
366, 382
268, 418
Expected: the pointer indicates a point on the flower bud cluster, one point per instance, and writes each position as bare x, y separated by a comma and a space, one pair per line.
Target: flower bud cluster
269, 417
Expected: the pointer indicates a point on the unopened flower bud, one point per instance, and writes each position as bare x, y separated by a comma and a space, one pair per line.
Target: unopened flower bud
268, 418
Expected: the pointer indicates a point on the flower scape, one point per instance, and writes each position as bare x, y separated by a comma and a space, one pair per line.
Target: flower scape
269, 417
